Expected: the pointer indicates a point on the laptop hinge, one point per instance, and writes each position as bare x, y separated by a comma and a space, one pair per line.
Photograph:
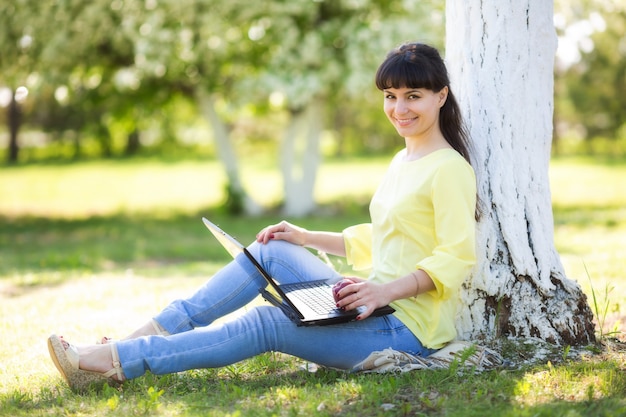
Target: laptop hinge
271, 298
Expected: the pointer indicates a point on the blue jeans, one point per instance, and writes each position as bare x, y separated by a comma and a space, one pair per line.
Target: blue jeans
197, 343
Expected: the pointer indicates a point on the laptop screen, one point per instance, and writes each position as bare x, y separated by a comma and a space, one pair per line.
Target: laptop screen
233, 247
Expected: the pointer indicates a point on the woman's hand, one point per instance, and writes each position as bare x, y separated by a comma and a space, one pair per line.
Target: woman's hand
283, 231
354, 292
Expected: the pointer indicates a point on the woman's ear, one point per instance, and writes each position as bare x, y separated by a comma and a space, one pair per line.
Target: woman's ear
443, 96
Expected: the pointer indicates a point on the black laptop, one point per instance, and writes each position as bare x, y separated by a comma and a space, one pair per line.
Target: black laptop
305, 303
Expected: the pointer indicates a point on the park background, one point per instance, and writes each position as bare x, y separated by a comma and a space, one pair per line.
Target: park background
111, 159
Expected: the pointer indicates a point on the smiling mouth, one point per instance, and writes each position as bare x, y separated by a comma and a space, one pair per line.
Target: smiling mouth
403, 122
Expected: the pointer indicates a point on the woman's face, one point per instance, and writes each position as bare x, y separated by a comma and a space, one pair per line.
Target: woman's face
414, 112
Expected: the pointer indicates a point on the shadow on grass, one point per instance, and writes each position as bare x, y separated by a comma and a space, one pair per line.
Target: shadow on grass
609, 216
40, 252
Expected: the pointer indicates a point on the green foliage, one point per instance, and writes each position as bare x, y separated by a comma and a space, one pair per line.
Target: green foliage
106, 70
587, 106
601, 308
102, 73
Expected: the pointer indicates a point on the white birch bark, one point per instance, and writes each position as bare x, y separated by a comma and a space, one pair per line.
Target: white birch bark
500, 54
300, 159
225, 151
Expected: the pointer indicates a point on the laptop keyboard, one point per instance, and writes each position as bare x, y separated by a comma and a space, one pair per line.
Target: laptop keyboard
315, 296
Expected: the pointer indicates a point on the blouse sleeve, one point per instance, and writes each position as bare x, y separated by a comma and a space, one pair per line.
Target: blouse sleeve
358, 242
454, 201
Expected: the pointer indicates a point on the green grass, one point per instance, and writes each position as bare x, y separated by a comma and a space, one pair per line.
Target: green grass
96, 248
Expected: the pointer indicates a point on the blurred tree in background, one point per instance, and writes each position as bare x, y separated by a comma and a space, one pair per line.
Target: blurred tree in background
117, 74
125, 77
590, 105
73, 53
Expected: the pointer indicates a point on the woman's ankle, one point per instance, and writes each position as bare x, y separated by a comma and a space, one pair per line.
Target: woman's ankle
148, 329
99, 358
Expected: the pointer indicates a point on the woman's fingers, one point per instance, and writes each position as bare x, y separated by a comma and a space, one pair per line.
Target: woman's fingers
350, 295
269, 232
282, 231
362, 294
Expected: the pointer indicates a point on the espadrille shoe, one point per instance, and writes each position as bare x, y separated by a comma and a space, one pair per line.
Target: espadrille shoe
67, 360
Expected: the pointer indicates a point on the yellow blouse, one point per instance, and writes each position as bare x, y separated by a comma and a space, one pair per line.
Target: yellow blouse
422, 218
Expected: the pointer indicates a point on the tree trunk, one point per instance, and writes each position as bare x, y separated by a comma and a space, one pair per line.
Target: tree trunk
227, 155
132, 143
500, 54
103, 134
14, 122
300, 158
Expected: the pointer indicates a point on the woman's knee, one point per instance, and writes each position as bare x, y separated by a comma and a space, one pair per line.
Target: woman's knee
288, 263
273, 248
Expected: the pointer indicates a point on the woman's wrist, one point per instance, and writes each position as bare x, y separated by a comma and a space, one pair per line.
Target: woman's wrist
305, 238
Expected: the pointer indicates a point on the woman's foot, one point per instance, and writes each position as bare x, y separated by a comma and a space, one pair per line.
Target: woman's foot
86, 366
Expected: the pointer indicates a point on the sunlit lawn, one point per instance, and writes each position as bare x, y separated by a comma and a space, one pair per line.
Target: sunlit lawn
102, 188
590, 230
63, 270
